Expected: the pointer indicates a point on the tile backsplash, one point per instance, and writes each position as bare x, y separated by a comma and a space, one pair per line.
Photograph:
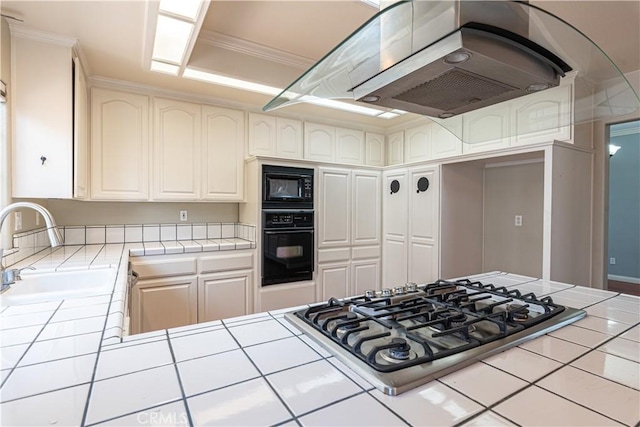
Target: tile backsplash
31, 242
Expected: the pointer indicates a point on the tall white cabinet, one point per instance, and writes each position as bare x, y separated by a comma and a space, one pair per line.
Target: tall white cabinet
348, 234
49, 110
411, 210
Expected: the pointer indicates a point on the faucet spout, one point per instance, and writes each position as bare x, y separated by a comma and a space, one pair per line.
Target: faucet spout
52, 231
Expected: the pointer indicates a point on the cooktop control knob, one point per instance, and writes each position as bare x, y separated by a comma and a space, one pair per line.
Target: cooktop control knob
400, 290
370, 293
412, 287
386, 292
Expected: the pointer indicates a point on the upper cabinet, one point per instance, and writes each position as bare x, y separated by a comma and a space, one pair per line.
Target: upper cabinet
350, 146
177, 153
395, 149
374, 149
274, 136
487, 129
319, 142
222, 154
119, 145
444, 142
417, 143
49, 117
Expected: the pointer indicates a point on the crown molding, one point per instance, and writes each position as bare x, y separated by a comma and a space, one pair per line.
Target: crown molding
245, 47
18, 30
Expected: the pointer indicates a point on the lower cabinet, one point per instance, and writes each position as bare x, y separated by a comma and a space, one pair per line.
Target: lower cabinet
164, 303
348, 277
223, 295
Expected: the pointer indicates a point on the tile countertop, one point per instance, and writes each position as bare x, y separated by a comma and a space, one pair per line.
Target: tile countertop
259, 370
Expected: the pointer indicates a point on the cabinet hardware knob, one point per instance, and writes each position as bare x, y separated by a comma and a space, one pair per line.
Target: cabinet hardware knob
43, 159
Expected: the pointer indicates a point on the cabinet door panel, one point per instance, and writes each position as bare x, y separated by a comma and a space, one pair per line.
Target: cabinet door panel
223, 153
349, 146
289, 138
423, 265
119, 145
366, 199
394, 269
262, 135
365, 275
395, 205
543, 117
395, 149
162, 304
424, 225
486, 129
374, 149
334, 281
417, 142
176, 147
319, 142
223, 297
444, 142
335, 207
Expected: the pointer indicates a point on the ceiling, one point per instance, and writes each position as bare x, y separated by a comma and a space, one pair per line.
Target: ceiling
271, 42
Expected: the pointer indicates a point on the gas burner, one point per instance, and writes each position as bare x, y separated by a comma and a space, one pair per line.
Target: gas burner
400, 352
519, 312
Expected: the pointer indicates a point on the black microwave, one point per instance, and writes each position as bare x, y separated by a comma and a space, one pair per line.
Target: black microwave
287, 187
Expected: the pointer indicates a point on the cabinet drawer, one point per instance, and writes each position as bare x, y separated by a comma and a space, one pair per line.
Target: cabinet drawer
240, 261
364, 252
331, 255
164, 267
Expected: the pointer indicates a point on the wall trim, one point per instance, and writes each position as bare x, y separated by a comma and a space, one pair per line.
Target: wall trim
627, 279
28, 33
513, 163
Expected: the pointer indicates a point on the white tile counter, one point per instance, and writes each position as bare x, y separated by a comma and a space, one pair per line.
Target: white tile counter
259, 370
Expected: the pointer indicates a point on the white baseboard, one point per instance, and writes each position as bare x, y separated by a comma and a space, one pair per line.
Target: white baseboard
635, 280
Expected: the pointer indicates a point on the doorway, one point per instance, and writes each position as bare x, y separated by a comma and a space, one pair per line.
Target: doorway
624, 208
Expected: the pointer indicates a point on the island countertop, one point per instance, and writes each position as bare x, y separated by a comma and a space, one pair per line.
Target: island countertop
65, 363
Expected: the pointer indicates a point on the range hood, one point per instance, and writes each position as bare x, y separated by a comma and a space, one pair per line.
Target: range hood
444, 58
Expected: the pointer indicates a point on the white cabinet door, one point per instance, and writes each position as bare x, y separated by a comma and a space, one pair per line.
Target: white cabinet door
394, 228
424, 211
333, 280
417, 143
543, 117
80, 133
365, 275
42, 113
176, 150
221, 296
288, 138
119, 145
164, 303
350, 146
319, 142
334, 220
445, 143
374, 149
366, 207
222, 154
262, 135
395, 149
486, 129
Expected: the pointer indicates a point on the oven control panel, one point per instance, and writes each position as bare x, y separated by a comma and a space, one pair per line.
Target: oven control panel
287, 219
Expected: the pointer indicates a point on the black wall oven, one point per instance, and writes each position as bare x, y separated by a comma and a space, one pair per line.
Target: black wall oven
287, 187
287, 246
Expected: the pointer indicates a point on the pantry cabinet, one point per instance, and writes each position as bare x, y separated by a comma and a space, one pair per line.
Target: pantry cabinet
119, 145
164, 303
176, 148
49, 128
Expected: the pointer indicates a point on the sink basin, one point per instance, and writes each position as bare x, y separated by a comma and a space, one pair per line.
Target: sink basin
40, 287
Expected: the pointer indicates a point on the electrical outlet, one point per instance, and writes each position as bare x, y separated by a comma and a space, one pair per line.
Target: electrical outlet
518, 221
612, 261
17, 223
183, 215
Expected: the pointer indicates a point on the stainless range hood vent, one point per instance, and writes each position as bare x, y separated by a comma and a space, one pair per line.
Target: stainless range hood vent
491, 66
443, 58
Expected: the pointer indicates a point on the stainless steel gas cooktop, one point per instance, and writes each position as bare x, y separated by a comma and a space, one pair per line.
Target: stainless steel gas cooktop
400, 338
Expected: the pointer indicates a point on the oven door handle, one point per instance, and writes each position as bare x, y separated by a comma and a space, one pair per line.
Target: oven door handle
288, 230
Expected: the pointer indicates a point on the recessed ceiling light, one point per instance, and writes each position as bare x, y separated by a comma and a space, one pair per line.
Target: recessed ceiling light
537, 87
446, 115
371, 98
457, 57
186, 8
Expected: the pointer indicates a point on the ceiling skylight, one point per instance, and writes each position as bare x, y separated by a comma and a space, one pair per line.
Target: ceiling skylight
185, 8
172, 38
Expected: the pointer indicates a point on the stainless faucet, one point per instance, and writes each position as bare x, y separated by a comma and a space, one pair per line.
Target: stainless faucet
10, 276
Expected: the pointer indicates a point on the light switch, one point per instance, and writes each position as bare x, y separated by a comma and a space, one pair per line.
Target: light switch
518, 221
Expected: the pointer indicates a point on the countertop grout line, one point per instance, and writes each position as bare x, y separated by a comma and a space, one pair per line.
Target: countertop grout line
175, 367
135, 412
69, 257
104, 328
290, 410
15, 366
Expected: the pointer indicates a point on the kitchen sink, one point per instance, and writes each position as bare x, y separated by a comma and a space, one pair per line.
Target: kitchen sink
38, 287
